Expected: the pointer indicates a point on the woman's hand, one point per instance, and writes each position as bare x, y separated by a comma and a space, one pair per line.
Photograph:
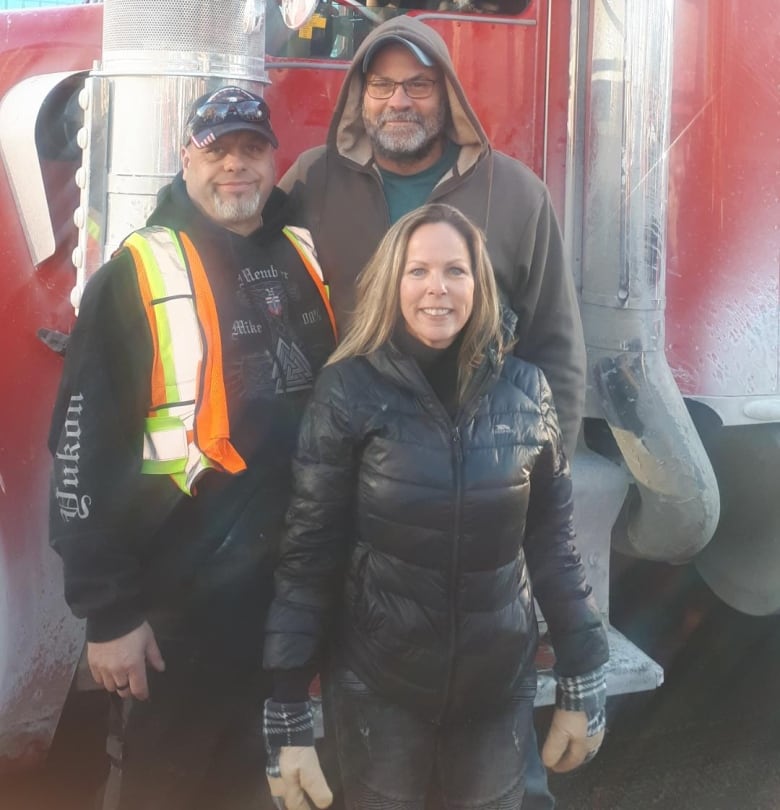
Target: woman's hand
567, 745
301, 776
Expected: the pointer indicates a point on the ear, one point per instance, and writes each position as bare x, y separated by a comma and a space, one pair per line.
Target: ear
185, 160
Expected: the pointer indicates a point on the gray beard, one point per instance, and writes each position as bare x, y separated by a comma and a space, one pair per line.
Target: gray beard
230, 212
405, 147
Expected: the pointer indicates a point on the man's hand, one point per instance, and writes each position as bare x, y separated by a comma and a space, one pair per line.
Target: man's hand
301, 776
567, 745
120, 665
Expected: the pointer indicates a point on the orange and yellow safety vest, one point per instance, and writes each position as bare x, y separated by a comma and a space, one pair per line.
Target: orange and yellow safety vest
187, 429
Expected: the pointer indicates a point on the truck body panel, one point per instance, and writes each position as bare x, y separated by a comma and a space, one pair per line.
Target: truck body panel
655, 127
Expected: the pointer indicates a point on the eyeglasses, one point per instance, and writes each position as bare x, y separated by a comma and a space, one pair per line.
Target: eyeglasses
414, 88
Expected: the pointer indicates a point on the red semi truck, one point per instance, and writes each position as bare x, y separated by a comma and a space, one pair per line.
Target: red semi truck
655, 124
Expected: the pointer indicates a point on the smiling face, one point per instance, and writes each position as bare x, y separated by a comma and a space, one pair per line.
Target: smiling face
437, 285
231, 179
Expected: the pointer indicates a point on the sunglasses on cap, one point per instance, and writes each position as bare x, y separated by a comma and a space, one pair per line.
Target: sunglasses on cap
226, 107
219, 107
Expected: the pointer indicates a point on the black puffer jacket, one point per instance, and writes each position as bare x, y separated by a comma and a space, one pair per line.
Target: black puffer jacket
415, 544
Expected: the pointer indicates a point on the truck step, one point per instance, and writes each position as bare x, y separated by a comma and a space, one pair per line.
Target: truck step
629, 669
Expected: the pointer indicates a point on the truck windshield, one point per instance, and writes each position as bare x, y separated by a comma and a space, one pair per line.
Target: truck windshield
337, 27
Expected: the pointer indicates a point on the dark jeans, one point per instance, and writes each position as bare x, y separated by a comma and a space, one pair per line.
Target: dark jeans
391, 760
537, 794
196, 744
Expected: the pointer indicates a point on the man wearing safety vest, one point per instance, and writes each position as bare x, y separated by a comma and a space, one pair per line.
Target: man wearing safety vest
194, 351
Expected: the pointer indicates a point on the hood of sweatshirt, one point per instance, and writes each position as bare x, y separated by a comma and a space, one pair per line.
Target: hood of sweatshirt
347, 134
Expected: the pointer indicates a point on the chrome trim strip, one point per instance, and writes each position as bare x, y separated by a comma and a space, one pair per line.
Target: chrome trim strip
479, 18
280, 63
547, 68
575, 139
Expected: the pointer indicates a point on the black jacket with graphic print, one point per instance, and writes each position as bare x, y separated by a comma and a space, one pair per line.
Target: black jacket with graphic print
134, 547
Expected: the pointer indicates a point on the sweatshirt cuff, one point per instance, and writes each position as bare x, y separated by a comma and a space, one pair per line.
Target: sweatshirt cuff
111, 623
585, 693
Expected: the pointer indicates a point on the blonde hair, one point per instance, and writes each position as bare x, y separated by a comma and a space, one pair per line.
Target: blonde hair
378, 308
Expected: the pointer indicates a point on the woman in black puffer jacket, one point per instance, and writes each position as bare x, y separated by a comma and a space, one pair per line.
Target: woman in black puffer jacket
432, 503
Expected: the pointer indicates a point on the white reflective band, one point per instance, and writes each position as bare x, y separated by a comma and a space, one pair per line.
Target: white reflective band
167, 447
178, 329
184, 341
303, 235
197, 463
169, 261
184, 347
167, 443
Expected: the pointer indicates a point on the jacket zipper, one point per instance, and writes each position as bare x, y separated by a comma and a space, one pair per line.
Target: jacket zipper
457, 463
453, 426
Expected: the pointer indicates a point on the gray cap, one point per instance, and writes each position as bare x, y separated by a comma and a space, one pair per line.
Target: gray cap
391, 39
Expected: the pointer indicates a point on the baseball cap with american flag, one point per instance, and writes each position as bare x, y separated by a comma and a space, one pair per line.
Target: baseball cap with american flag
229, 109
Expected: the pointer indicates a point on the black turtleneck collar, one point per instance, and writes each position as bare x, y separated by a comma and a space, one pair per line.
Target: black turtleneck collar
439, 366
406, 342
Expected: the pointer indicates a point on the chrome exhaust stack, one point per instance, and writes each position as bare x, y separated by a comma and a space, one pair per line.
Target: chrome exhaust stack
157, 58
673, 510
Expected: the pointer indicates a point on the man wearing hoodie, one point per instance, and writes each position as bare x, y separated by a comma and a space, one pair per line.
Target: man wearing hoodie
185, 376
403, 133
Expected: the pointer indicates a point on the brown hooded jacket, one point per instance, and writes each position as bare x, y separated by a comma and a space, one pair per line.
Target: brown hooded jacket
338, 191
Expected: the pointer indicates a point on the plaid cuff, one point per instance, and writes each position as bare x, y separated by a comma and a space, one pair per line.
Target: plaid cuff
585, 693
272, 768
285, 724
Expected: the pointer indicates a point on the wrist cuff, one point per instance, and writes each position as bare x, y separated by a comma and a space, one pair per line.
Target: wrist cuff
286, 724
111, 623
585, 693
272, 768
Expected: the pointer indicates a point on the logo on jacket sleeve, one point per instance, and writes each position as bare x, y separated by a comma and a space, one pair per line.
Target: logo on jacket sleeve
66, 460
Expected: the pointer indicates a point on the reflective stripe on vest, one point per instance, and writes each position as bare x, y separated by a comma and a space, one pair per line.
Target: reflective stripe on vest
302, 242
187, 430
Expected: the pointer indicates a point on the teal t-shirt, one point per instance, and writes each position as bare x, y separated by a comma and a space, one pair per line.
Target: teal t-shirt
405, 192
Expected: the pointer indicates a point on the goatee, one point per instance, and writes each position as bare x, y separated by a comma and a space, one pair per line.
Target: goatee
411, 143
